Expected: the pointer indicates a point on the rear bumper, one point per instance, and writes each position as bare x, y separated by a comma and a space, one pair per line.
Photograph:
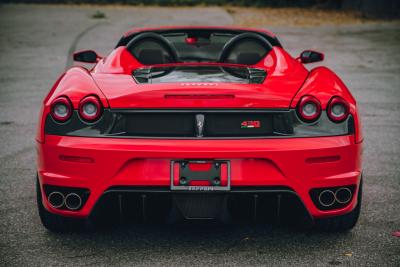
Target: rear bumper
299, 164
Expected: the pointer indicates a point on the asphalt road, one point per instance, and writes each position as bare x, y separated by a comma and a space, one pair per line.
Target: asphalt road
34, 43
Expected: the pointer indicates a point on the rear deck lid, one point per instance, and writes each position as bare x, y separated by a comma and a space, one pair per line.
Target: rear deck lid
202, 87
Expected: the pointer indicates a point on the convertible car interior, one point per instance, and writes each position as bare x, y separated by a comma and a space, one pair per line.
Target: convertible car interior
199, 46
172, 46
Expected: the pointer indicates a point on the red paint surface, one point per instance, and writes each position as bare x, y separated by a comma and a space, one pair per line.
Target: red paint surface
257, 162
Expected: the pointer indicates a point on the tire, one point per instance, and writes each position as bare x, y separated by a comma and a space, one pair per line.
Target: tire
344, 222
54, 222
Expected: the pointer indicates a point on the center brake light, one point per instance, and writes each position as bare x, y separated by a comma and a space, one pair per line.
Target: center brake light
199, 96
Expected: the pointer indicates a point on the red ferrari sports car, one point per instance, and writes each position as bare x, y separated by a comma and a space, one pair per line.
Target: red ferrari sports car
186, 123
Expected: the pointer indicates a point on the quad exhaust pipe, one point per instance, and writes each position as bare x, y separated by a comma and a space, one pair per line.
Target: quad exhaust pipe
71, 201
326, 198
342, 195
56, 199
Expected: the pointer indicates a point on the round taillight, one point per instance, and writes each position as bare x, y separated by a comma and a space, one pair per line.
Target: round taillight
338, 109
90, 108
61, 109
309, 108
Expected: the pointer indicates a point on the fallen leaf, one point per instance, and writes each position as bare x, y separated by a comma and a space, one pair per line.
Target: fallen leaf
396, 234
98, 15
348, 254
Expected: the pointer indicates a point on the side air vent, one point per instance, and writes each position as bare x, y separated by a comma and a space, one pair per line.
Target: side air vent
256, 75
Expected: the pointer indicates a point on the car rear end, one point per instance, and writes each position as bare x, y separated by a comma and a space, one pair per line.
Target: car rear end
201, 164
201, 141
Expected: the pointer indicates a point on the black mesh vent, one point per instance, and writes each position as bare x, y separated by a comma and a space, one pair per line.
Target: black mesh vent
159, 124
217, 124
166, 123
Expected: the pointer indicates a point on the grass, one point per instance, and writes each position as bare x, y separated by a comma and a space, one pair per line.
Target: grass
258, 17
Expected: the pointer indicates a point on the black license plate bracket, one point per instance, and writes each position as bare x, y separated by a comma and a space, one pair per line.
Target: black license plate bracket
218, 175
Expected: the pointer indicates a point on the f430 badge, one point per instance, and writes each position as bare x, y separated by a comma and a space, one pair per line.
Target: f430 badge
250, 124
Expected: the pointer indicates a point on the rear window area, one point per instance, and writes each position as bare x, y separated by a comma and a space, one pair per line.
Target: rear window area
204, 47
196, 45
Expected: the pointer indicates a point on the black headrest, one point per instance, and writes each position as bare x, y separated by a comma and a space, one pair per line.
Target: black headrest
151, 56
240, 38
247, 58
157, 39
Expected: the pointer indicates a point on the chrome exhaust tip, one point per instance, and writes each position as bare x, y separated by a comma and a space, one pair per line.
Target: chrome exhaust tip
343, 195
56, 199
73, 201
326, 198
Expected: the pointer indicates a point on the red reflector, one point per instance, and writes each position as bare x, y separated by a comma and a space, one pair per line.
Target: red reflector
322, 159
76, 159
200, 96
176, 173
224, 174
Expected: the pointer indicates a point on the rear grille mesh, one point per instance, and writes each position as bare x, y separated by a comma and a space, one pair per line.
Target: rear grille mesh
204, 124
193, 124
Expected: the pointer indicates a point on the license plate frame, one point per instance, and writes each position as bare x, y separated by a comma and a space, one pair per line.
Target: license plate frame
201, 188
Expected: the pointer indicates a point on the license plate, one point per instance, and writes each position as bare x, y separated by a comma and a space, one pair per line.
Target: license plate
200, 175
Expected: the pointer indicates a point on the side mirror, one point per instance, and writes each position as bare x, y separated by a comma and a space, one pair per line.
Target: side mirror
309, 56
87, 56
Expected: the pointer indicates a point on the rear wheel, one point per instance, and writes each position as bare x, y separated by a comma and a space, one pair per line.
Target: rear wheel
55, 222
344, 222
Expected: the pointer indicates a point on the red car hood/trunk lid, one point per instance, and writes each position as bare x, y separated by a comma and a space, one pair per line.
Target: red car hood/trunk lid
284, 77
123, 92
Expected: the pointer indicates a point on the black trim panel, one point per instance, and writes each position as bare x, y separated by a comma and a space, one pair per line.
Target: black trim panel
269, 204
167, 189
181, 124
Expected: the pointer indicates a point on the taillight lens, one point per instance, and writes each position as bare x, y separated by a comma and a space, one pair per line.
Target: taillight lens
338, 109
61, 109
309, 108
90, 108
